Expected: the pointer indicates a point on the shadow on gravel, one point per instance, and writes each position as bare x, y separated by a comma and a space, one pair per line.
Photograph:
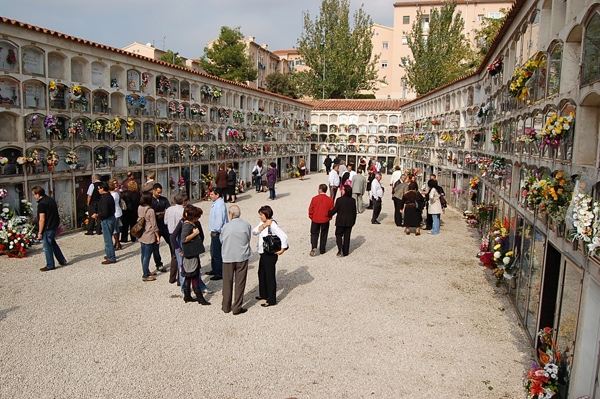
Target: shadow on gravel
286, 282
356, 242
5, 312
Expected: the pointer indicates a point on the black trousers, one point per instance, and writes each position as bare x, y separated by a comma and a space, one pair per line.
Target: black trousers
267, 283
342, 238
316, 230
376, 209
92, 223
397, 213
164, 234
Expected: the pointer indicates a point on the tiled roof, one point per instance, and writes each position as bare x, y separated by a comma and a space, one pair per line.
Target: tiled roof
356, 105
428, 3
7, 21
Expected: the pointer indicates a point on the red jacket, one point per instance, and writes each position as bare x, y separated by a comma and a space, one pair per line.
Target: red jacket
320, 205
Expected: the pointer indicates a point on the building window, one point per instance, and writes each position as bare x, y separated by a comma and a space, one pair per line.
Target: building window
591, 51
384, 45
498, 15
384, 64
480, 18
404, 40
299, 62
406, 19
425, 22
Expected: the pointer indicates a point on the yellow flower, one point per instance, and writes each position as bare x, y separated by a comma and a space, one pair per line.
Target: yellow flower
497, 247
559, 175
509, 253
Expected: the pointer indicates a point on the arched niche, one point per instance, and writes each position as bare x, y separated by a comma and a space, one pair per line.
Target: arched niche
32, 60
174, 87
9, 127
134, 155
34, 94
148, 130
34, 127
185, 91
57, 65
163, 85
134, 80
554, 68
80, 70
11, 154
80, 98
117, 104
78, 128
100, 102
99, 73
9, 56
590, 70
117, 77
161, 108
58, 95
9, 92
162, 154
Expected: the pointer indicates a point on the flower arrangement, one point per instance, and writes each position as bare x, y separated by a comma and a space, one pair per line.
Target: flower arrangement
71, 158
530, 136
76, 128
474, 182
238, 115
172, 183
495, 67
445, 137
77, 91
95, 127
544, 378
436, 122
142, 102
129, 125
114, 83
193, 152
268, 133
130, 101
52, 86
496, 137
32, 158
551, 194
16, 233
556, 128
50, 122
52, 158
164, 85
180, 110
11, 57
181, 183
471, 219
520, 77
208, 178
216, 93
99, 155
583, 217
182, 153
172, 109
145, 80
3, 161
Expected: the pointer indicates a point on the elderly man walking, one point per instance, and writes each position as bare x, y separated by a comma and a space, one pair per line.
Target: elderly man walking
359, 186
235, 239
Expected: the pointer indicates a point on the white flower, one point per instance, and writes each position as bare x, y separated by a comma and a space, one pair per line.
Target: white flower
5, 210
497, 254
506, 260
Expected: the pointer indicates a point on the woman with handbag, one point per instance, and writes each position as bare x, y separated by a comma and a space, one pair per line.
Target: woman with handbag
257, 173
267, 284
151, 237
192, 243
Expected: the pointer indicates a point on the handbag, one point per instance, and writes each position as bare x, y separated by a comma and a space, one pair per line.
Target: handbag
123, 204
443, 202
138, 228
271, 243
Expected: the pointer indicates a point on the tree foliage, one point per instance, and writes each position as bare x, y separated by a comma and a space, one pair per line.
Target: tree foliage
441, 54
282, 83
486, 35
172, 58
227, 57
338, 55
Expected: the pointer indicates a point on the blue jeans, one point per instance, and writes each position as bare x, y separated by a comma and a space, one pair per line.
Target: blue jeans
51, 249
180, 265
436, 224
257, 182
216, 259
108, 226
147, 250
272, 192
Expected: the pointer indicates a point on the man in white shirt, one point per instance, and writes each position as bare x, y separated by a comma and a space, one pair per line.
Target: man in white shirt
396, 175
376, 196
334, 181
173, 215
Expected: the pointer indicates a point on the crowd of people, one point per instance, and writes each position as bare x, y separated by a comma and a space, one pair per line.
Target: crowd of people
124, 212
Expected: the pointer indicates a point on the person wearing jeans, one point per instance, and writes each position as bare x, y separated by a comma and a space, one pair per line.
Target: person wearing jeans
271, 180
217, 218
48, 221
150, 238
106, 215
435, 206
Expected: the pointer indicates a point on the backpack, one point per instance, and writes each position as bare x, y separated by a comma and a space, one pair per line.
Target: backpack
138, 228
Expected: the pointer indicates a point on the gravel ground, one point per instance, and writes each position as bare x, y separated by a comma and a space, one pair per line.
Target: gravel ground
400, 317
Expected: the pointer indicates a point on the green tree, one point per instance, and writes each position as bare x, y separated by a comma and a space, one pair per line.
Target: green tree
440, 55
227, 57
486, 35
172, 58
282, 83
338, 55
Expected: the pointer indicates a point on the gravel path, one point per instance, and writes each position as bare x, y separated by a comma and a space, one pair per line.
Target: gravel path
400, 317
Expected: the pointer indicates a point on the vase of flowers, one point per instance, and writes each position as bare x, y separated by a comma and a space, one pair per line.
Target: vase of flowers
71, 159
547, 377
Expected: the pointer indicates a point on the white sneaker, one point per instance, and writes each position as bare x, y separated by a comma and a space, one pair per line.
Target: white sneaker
206, 291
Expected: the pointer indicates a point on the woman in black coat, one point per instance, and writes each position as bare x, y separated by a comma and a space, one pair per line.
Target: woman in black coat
345, 207
411, 206
231, 180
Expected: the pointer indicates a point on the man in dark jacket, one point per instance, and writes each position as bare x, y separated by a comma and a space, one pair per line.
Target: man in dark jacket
345, 207
93, 196
105, 215
48, 221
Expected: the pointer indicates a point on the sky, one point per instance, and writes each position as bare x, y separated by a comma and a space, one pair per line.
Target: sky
184, 26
